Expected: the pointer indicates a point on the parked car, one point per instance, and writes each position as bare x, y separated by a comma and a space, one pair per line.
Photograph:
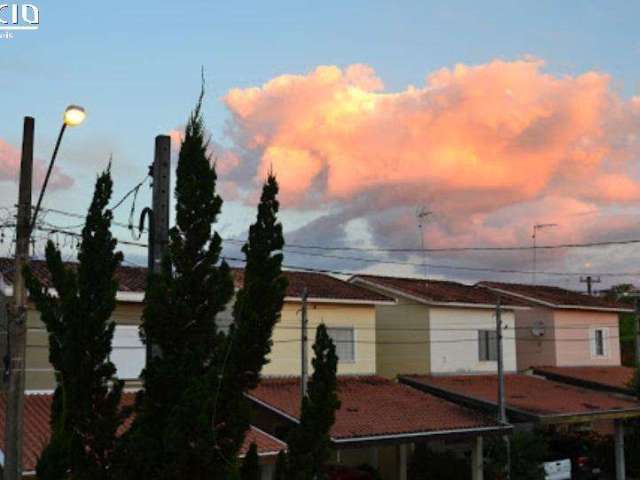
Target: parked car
585, 463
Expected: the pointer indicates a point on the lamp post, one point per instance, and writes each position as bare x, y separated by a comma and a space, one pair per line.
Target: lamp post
74, 115
17, 322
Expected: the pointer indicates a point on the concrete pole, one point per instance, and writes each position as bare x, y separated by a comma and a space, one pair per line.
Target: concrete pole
375, 457
159, 219
477, 461
18, 317
621, 473
636, 326
304, 363
402, 461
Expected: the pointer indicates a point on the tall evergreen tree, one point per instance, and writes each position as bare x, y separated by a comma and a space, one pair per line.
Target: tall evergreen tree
310, 441
282, 467
192, 415
86, 413
251, 465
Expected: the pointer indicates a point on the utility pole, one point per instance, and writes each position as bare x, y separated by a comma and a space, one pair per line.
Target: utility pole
636, 325
304, 366
589, 280
18, 315
159, 214
502, 409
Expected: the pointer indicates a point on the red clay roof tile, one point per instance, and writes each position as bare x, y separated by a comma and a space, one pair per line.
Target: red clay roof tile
532, 394
616, 377
133, 279
373, 406
554, 296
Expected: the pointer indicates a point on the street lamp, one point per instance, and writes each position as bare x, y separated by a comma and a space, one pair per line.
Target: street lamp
74, 115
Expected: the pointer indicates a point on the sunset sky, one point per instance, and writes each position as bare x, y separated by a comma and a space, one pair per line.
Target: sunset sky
494, 116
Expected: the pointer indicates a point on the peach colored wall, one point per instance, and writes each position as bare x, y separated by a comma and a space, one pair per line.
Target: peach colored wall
535, 350
574, 333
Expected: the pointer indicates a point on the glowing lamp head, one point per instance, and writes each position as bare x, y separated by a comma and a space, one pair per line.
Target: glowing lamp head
74, 115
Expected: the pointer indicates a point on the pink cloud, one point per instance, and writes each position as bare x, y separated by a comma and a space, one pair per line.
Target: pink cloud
471, 142
10, 168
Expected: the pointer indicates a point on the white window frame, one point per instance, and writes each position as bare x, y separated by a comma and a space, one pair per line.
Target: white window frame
605, 342
355, 342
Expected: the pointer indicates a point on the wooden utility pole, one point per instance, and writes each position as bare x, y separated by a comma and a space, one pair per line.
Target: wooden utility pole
18, 315
159, 220
304, 366
589, 280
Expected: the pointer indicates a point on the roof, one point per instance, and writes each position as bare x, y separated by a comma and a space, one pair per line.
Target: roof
531, 396
268, 445
614, 378
556, 297
37, 430
373, 408
132, 280
436, 291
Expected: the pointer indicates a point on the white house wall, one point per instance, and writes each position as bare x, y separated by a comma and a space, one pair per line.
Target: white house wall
454, 340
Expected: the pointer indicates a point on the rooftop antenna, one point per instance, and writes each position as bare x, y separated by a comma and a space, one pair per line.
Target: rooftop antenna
422, 214
536, 227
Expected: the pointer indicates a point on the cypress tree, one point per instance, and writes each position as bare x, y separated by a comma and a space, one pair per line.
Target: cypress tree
310, 441
251, 465
282, 468
85, 413
192, 415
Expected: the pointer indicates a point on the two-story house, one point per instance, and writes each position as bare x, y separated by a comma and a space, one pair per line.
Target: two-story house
440, 327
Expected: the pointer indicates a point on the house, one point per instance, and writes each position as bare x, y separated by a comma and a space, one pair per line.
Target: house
37, 431
439, 327
563, 328
347, 310
379, 421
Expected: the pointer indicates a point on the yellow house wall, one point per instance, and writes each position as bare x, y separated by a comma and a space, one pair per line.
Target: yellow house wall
403, 339
285, 355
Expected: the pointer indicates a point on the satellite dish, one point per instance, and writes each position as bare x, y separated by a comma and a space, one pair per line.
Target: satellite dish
538, 329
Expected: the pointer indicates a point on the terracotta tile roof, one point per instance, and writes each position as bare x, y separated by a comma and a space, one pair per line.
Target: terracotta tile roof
531, 394
439, 291
267, 445
616, 378
133, 279
555, 296
130, 279
373, 406
321, 286
36, 429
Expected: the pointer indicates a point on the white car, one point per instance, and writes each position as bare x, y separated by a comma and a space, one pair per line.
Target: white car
557, 470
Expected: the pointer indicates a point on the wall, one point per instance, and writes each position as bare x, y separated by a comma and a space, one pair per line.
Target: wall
403, 339
573, 332
39, 375
535, 350
285, 355
454, 339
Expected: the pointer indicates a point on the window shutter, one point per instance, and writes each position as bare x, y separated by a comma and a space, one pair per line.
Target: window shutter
482, 345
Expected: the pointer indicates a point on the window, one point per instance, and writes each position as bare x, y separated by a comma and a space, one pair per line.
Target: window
344, 338
487, 346
600, 337
128, 353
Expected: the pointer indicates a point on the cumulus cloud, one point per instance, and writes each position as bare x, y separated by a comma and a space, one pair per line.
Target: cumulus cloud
470, 142
10, 168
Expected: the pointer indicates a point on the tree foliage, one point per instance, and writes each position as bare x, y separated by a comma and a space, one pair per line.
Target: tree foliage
251, 465
85, 413
310, 441
192, 414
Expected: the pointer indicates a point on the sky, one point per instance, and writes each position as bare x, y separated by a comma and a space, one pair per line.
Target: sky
493, 116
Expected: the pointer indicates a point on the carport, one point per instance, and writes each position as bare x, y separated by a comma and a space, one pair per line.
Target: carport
533, 399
